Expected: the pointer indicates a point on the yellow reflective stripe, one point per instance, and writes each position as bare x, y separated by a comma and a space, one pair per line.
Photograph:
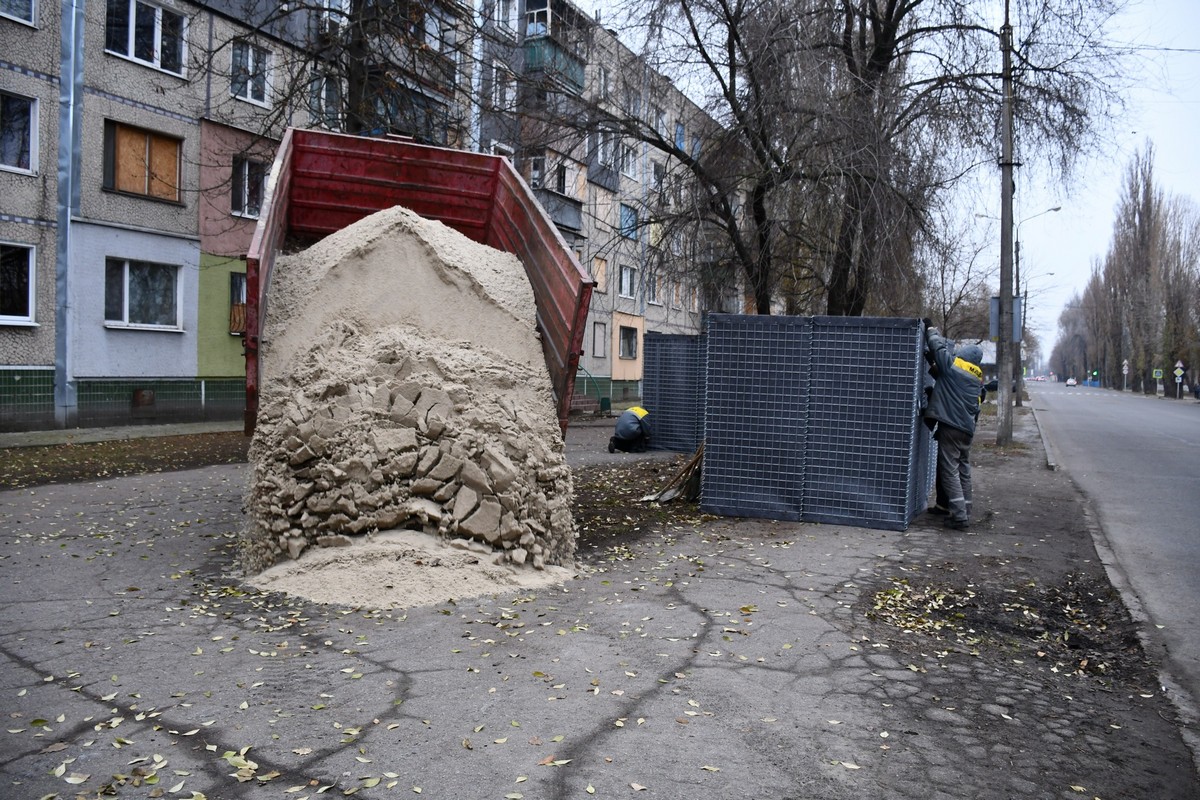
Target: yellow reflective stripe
969, 367
641, 412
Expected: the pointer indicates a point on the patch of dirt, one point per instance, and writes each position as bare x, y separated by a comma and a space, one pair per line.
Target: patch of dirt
1023, 588
69, 463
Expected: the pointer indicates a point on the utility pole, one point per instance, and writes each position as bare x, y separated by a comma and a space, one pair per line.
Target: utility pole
1004, 367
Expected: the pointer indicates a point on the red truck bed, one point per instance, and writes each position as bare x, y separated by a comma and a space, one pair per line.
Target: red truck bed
322, 182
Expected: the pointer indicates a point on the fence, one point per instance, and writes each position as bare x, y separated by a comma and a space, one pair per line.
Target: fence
27, 400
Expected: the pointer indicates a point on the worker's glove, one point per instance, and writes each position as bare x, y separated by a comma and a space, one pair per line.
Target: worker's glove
927, 322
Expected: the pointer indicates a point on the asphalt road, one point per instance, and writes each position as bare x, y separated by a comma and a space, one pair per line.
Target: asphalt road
1137, 459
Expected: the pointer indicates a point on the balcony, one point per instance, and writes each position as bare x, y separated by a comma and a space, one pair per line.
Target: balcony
546, 56
565, 212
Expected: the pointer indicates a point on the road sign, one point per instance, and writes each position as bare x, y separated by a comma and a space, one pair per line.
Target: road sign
1178, 371
1158, 374
1178, 365
1125, 368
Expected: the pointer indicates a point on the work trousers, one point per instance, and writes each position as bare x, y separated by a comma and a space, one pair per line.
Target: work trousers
954, 471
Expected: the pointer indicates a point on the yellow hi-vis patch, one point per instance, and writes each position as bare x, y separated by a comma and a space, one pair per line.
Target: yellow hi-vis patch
969, 367
641, 412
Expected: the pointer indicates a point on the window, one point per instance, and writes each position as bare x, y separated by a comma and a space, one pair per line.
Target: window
139, 293
141, 162
537, 168
16, 283
659, 176
629, 160
502, 149
677, 299
325, 101
333, 16
680, 136
600, 273
606, 147
17, 9
629, 342
249, 178
599, 340
18, 142
560, 178
237, 303
695, 146
145, 33
537, 18
629, 221
652, 290
602, 82
248, 77
628, 281
660, 121
504, 15
502, 87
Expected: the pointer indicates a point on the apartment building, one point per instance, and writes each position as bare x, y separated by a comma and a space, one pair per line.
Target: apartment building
136, 138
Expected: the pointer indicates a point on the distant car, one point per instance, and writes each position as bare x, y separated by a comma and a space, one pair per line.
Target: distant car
1071, 382
1040, 378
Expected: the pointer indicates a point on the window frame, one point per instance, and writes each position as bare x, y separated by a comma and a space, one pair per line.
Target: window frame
258, 69
30, 20
244, 170
599, 340
627, 344
113, 163
652, 285
130, 44
124, 322
503, 85
504, 17
627, 281
627, 221
319, 110
31, 134
600, 273
237, 304
28, 319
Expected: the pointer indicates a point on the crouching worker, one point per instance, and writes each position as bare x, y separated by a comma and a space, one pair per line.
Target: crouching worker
633, 432
954, 405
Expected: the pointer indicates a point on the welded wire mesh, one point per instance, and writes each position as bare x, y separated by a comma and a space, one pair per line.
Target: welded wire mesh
754, 420
673, 390
816, 419
863, 418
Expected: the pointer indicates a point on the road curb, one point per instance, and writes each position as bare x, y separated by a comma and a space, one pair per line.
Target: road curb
1047, 448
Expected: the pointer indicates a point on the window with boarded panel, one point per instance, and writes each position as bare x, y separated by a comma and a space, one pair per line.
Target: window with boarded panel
142, 162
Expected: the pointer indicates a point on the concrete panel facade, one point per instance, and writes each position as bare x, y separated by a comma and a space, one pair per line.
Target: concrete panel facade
98, 350
219, 354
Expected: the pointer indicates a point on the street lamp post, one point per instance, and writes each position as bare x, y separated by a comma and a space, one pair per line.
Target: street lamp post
1018, 375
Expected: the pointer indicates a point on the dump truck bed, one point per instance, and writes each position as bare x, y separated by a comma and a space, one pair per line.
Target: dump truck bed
322, 182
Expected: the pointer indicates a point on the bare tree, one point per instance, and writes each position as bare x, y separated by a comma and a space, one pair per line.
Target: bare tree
847, 118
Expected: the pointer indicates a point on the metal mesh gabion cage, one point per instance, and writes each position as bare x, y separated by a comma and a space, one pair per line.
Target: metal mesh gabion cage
813, 418
673, 390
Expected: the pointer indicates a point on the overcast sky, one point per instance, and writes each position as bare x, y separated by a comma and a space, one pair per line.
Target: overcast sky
1164, 110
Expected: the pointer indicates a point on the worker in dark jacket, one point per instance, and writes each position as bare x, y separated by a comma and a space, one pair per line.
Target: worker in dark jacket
954, 405
633, 431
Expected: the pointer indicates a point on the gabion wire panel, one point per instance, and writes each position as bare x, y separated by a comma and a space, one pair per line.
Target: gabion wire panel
754, 418
864, 440
673, 390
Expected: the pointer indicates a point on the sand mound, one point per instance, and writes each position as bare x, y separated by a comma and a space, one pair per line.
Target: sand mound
405, 388
401, 569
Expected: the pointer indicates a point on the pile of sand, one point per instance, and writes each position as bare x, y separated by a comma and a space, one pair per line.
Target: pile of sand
404, 387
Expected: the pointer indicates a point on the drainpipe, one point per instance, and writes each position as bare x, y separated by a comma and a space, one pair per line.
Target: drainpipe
70, 139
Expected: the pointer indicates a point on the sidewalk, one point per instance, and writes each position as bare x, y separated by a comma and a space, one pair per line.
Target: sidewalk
86, 435
712, 658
